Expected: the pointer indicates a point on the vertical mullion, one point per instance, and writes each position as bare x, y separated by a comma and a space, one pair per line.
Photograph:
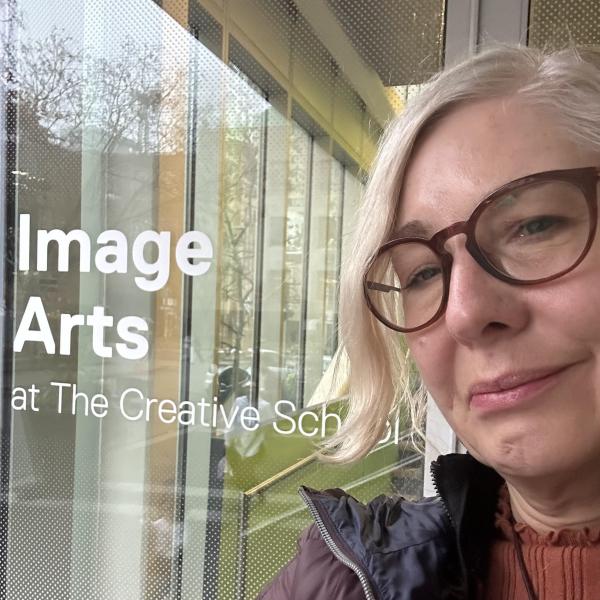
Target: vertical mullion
258, 278
8, 127
338, 266
305, 276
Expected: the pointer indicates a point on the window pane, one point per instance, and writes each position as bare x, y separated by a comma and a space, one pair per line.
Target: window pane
315, 346
298, 197
180, 182
556, 24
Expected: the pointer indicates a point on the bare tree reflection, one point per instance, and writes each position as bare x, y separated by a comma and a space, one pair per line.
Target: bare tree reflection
127, 96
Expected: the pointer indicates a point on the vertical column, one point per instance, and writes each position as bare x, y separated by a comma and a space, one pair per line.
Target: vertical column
504, 21
170, 203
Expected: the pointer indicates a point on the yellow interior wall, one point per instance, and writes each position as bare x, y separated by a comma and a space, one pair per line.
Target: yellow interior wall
253, 27
332, 105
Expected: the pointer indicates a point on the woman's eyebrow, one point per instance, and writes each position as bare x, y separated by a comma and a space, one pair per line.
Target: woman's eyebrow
414, 228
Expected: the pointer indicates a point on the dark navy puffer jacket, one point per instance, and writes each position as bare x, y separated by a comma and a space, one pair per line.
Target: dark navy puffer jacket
393, 549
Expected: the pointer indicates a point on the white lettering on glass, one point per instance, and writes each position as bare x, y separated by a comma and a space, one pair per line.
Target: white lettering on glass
194, 252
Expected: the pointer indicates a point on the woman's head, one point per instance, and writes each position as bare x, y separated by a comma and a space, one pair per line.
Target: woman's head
504, 114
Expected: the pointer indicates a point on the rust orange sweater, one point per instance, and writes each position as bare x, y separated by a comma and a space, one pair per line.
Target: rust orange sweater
562, 565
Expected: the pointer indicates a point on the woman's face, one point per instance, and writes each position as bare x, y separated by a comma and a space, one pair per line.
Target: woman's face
543, 341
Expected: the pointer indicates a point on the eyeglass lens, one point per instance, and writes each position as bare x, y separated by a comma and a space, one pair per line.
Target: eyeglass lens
527, 234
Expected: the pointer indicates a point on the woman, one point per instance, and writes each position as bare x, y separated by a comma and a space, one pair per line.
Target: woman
477, 242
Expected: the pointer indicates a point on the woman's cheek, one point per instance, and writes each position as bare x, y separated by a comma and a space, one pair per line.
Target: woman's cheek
434, 359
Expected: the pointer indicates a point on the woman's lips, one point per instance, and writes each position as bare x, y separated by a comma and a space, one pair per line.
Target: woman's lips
512, 389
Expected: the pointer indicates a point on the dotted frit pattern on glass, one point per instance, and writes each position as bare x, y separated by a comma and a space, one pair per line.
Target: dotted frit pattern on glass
554, 23
266, 524
238, 120
402, 41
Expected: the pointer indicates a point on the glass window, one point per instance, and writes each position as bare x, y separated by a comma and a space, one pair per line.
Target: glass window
180, 181
554, 24
294, 270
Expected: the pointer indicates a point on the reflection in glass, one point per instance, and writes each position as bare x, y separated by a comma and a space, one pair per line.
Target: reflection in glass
150, 118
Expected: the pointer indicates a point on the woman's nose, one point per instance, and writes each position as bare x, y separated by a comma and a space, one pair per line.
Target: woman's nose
480, 308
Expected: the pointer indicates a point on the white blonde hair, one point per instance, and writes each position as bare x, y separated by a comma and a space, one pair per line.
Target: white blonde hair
567, 82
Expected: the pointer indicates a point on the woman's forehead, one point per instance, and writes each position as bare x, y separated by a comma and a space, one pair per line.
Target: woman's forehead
474, 150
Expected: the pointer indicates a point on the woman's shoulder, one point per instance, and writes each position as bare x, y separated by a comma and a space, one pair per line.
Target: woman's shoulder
348, 532
314, 573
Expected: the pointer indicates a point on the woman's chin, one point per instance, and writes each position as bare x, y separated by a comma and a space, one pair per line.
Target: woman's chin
535, 458
522, 454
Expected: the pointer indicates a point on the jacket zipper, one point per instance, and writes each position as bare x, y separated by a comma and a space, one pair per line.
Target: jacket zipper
434, 469
343, 558
434, 477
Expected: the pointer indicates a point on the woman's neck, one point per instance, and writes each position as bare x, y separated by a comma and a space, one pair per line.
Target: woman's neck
570, 505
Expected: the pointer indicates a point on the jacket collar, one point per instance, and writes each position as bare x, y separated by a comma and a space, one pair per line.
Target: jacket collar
469, 491
370, 535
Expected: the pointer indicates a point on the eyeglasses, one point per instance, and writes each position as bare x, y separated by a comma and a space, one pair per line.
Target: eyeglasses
531, 230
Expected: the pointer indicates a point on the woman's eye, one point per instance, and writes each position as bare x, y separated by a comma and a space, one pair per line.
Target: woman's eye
422, 276
538, 225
